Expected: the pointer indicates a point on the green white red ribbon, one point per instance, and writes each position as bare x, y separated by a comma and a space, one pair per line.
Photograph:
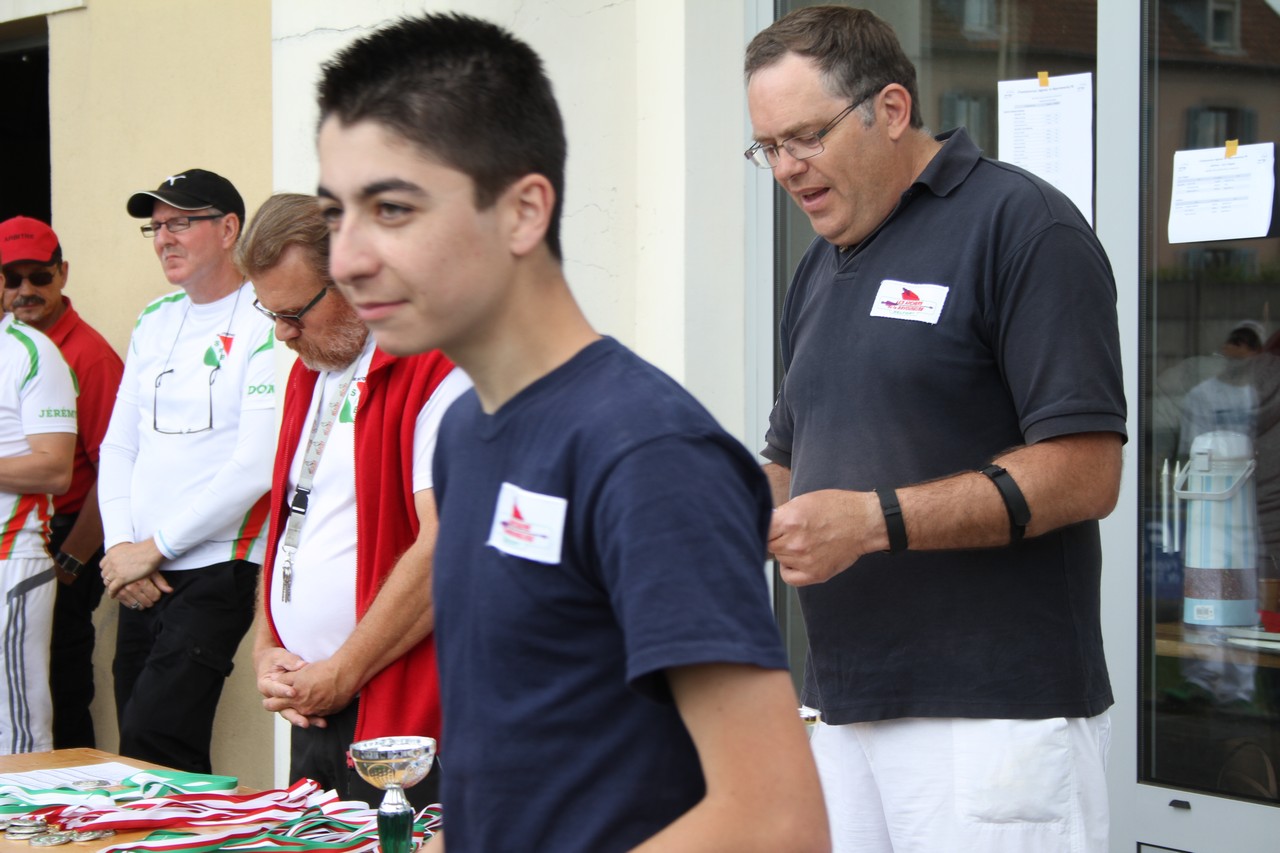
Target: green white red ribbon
297, 819
206, 809
15, 799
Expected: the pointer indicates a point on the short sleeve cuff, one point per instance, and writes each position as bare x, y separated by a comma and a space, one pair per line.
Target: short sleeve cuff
776, 455
1055, 427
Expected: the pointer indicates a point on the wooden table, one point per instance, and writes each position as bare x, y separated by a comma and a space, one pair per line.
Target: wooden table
74, 758
1174, 639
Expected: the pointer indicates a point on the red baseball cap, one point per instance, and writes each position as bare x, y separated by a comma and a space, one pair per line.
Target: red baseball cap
25, 239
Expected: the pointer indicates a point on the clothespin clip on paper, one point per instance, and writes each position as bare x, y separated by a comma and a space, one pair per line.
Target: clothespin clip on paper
1043, 77
1233, 146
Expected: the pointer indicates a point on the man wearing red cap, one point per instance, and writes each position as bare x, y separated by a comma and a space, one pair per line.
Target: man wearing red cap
34, 277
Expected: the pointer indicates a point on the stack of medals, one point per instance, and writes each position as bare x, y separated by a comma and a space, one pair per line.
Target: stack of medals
38, 833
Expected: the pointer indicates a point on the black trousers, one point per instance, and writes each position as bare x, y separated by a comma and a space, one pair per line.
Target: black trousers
321, 754
71, 649
172, 660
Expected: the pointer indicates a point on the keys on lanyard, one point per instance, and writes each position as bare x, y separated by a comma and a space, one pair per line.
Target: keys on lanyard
321, 424
286, 573
292, 531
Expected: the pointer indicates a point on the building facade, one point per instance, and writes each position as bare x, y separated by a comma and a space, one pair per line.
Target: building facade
678, 247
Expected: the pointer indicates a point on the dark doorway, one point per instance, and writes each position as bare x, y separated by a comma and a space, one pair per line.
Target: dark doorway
24, 123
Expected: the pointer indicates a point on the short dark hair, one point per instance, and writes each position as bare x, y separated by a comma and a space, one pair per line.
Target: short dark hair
284, 220
1245, 336
465, 91
856, 51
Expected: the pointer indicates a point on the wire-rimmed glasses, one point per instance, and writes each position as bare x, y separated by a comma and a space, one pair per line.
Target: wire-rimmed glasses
164, 419
175, 225
294, 319
803, 146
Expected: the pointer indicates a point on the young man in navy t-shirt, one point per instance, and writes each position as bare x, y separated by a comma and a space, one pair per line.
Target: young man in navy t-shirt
611, 675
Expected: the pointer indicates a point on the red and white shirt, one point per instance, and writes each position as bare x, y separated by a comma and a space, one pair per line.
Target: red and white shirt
37, 396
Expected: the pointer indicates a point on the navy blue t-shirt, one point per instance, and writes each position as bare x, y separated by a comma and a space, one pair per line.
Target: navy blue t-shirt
559, 728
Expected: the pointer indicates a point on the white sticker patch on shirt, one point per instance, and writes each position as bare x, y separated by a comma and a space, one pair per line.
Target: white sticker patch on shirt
901, 300
529, 525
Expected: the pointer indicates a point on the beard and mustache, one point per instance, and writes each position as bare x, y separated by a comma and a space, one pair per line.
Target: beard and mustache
336, 348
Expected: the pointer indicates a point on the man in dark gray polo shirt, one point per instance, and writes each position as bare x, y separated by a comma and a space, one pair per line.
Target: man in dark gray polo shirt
947, 434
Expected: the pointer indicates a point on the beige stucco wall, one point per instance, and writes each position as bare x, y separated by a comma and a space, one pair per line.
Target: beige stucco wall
655, 202
138, 90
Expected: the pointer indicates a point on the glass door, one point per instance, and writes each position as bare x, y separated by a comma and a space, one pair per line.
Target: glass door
1209, 484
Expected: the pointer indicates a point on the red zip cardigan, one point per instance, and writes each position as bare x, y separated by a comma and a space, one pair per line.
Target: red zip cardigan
404, 698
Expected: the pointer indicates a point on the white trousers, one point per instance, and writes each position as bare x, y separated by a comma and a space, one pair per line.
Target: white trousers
26, 622
987, 786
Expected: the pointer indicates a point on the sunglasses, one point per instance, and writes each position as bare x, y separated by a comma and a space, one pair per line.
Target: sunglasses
13, 280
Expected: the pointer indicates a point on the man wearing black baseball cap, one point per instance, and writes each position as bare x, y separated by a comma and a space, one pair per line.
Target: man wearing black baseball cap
35, 273
186, 465
194, 189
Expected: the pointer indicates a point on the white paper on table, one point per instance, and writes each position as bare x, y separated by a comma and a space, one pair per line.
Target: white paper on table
61, 777
1048, 130
1216, 197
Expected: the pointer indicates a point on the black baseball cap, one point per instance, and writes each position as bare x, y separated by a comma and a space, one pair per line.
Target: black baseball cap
194, 189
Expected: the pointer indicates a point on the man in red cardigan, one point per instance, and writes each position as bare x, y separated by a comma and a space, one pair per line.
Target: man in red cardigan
344, 650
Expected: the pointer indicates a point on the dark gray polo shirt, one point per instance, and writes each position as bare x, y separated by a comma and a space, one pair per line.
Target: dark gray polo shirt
980, 316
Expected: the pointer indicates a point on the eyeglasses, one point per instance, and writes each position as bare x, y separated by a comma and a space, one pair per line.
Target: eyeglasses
294, 320
171, 416
175, 225
13, 280
805, 145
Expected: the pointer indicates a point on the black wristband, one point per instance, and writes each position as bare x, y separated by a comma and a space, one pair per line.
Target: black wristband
893, 522
1014, 502
68, 563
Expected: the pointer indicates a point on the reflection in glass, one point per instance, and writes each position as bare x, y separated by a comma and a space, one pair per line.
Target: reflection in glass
1210, 420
